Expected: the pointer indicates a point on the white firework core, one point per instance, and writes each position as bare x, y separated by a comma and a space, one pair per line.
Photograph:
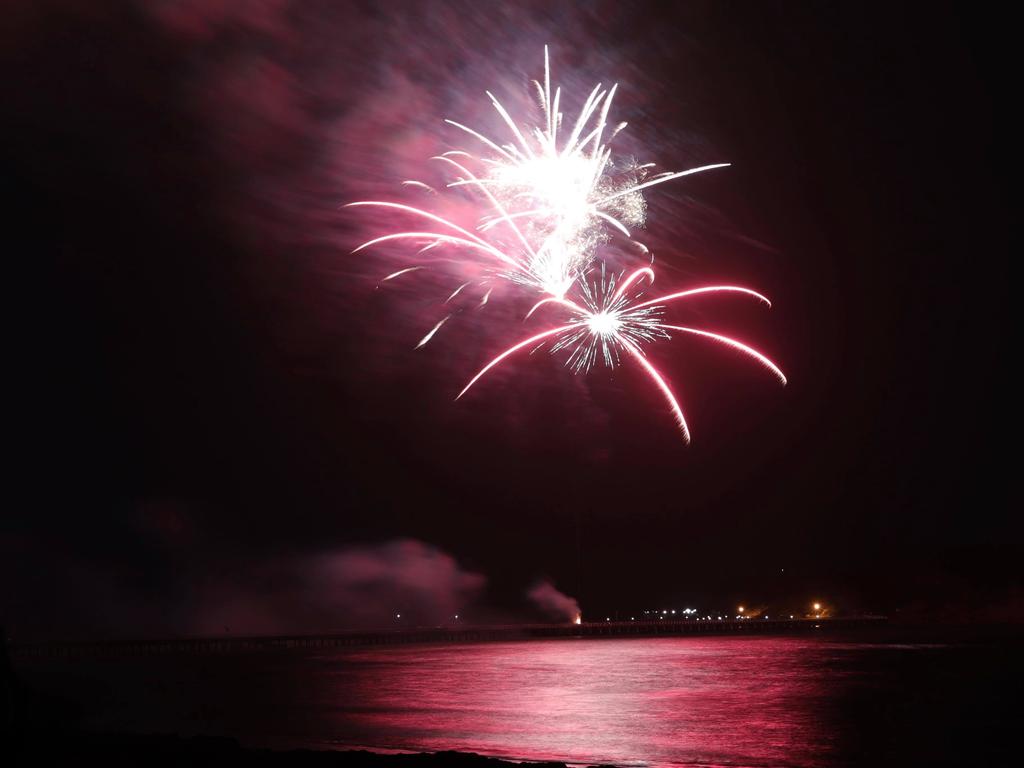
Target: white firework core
552, 195
604, 323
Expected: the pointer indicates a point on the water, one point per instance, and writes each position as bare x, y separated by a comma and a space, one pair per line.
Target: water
631, 701
738, 701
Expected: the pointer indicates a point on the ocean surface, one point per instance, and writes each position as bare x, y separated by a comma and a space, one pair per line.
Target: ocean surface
716, 701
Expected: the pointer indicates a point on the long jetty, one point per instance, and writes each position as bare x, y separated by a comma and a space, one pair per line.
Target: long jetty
440, 634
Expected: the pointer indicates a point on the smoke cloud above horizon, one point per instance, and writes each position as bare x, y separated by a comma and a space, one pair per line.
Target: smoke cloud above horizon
555, 604
397, 583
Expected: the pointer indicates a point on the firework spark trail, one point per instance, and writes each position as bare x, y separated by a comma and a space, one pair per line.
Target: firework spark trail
665, 389
400, 272
735, 345
511, 350
605, 321
432, 331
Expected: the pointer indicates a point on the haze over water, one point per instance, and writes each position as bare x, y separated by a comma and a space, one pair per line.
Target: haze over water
738, 701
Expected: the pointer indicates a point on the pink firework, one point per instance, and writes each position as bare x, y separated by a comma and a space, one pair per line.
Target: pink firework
551, 194
607, 324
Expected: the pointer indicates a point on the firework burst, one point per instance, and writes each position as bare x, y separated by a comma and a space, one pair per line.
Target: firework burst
608, 323
550, 195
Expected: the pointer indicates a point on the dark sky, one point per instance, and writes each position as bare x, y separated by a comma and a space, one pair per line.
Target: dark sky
205, 385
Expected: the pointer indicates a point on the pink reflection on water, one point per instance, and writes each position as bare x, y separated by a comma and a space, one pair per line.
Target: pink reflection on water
736, 701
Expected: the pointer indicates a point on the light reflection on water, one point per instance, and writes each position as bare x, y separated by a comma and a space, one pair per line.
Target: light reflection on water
736, 701
898, 698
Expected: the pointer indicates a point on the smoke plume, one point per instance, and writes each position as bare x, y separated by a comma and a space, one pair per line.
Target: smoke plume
399, 583
552, 602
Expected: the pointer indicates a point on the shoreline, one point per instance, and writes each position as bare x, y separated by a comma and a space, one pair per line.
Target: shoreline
155, 749
442, 634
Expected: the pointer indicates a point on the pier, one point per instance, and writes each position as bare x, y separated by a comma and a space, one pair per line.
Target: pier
440, 634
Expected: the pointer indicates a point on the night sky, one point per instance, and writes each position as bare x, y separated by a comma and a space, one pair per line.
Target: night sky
210, 393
